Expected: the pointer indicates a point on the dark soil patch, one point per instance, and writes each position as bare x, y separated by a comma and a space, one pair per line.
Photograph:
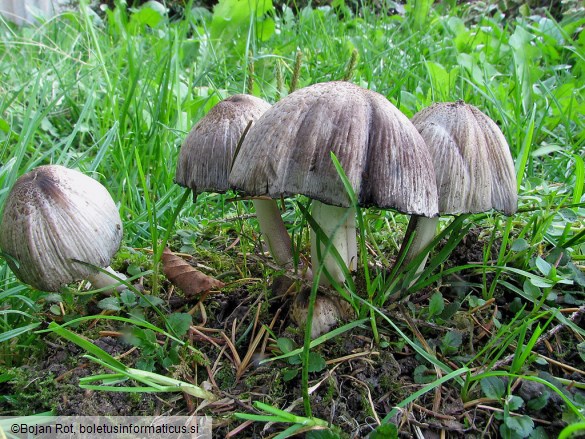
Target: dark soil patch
362, 380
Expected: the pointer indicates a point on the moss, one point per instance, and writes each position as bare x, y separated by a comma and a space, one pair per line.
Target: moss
329, 393
27, 393
268, 381
225, 378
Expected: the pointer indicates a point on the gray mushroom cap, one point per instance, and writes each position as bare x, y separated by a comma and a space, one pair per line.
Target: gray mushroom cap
287, 151
206, 154
52, 216
473, 164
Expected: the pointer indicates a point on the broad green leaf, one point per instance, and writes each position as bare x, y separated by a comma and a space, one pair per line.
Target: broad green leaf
150, 14
316, 362
424, 375
514, 402
531, 290
179, 323
451, 342
385, 431
568, 215
522, 425
441, 80
539, 403
436, 304
493, 387
519, 245
110, 304
232, 18
128, 297
545, 150
145, 339
289, 374
543, 266
450, 310
285, 345
148, 301
539, 433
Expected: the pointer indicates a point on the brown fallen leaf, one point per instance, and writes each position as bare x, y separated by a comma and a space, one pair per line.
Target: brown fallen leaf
182, 275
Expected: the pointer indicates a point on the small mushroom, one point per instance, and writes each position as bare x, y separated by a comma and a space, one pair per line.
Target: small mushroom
206, 158
473, 166
57, 223
328, 311
287, 152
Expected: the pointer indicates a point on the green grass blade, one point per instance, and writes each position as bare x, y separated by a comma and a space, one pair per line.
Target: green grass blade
454, 375
12, 333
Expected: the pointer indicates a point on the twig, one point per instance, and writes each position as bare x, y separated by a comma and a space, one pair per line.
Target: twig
548, 334
249, 354
364, 385
351, 357
236, 356
562, 365
434, 414
496, 409
238, 429
482, 306
213, 340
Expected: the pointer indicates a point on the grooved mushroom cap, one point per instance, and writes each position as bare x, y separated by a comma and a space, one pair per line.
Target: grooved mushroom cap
207, 152
473, 164
287, 151
53, 215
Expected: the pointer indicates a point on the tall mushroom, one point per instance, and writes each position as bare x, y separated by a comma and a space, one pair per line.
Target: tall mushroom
287, 152
206, 158
56, 224
473, 167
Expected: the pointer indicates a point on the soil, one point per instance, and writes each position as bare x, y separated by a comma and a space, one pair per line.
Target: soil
361, 379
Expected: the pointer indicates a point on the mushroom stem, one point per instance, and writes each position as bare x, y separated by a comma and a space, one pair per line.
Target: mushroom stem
274, 232
342, 236
101, 280
424, 230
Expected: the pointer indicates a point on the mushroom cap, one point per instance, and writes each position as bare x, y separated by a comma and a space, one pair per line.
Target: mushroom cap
329, 310
287, 151
473, 164
206, 155
52, 216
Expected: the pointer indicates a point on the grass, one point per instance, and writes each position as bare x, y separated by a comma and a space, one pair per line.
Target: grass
114, 95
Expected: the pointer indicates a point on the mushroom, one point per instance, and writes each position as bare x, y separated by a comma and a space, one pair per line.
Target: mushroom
58, 223
206, 158
473, 166
328, 310
287, 152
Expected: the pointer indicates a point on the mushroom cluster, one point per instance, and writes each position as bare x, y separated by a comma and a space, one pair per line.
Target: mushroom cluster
288, 152
450, 159
57, 226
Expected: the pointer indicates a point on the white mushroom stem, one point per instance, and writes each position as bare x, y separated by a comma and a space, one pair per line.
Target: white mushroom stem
274, 231
342, 234
424, 230
101, 280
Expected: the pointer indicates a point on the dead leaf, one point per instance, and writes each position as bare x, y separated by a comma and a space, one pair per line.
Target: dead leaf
182, 275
